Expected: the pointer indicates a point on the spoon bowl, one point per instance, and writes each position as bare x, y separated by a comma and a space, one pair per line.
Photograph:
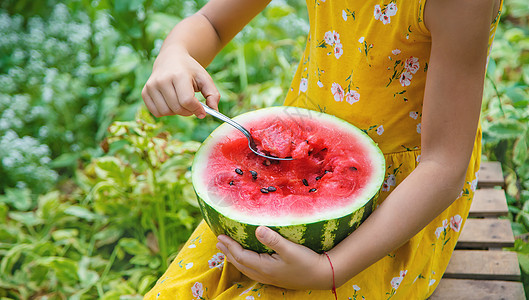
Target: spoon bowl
251, 142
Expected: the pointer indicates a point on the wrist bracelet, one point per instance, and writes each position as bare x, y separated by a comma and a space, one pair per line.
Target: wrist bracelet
333, 282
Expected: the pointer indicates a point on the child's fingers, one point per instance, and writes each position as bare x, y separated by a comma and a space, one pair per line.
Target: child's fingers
149, 103
159, 102
276, 242
186, 97
209, 90
169, 94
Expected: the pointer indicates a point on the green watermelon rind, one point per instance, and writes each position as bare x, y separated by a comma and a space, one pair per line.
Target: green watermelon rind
318, 234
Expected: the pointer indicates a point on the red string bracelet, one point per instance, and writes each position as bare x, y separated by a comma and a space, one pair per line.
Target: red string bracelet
333, 282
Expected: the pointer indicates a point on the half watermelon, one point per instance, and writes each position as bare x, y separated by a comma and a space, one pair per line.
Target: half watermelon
315, 200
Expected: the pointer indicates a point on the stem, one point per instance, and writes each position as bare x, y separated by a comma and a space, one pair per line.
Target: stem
497, 92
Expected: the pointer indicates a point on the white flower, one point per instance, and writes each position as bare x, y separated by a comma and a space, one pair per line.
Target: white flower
391, 9
405, 78
361, 40
438, 231
445, 224
319, 83
189, 265
419, 128
192, 246
356, 287
455, 222
385, 19
250, 298
197, 290
338, 50
432, 281
336, 37
378, 12
329, 38
403, 273
414, 115
392, 180
337, 91
217, 261
412, 65
385, 187
352, 97
395, 51
474, 185
303, 84
395, 282
418, 158
380, 129
344, 15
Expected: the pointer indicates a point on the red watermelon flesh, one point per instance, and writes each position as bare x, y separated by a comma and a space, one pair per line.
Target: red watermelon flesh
330, 167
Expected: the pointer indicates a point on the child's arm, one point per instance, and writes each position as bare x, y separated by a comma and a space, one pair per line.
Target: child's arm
452, 103
178, 71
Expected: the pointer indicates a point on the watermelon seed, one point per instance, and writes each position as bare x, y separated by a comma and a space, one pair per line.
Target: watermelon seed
231, 182
254, 175
312, 190
272, 189
318, 177
266, 162
264, 191
353, 168
238, 171
305, 182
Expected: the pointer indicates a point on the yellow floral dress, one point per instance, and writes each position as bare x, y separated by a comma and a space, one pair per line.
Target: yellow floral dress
365, 62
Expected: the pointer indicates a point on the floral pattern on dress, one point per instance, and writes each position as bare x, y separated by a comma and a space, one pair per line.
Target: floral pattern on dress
385, 13
332, 40
443, 231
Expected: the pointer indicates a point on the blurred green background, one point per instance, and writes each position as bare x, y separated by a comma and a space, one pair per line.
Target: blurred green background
95, 197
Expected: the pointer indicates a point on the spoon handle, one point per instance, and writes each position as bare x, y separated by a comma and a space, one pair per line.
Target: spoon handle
224, 118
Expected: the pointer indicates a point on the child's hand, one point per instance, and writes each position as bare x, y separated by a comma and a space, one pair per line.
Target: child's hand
292, 266
170, 90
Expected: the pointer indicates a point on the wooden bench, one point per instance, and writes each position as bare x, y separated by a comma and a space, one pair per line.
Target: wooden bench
479, 268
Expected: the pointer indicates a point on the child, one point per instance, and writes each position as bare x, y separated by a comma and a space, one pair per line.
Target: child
409, 73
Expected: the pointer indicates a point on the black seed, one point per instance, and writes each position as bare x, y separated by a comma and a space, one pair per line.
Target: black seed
264, 191
323, 149
238, 171
272, 189
327, 171
312, 190
305, 182
254, 174
353, 168
318, 177
266, 162
307, 141
231, 182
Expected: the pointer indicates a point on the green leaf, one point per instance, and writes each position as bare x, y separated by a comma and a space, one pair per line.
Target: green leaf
520, 150
26, 218
81, 213
133, 246
65, 269
20, 199
506, 129
65, 160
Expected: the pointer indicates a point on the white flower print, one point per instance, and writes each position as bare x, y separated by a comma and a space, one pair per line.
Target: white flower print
438, 231
419, 128
329, 38
344, 15
338, 50
192, 246
378, 12
197, 290
385, 187
336, 37
303, 84
392, 180
414, 115
356, 287
337, 91
189, 265
250, 298
412, 65
391, 9
352, 97
361, 40
395, 282
403, 273
319, 83
380, 130
405, 78
432, 281
474, 183
455, 222
445, 224
217, 261
418, 158
385, 19
395, 51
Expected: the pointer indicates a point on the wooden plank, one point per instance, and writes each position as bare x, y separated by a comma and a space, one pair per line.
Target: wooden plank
489, 203
483, 265
490, 175
465, 289
486, 233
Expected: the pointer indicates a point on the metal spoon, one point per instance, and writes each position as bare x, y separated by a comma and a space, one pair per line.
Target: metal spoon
251, 142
